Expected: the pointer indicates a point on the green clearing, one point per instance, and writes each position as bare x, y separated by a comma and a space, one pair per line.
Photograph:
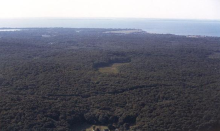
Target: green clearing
114, 68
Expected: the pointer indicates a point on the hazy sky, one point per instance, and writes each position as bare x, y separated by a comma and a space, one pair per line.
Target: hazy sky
180, 9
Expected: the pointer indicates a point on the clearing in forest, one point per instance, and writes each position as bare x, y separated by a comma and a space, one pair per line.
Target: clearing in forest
114, 68
89, 127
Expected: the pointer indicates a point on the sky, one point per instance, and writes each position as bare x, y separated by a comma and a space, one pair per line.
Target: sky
168, 9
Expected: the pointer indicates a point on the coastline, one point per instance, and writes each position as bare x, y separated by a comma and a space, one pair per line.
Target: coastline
118, 31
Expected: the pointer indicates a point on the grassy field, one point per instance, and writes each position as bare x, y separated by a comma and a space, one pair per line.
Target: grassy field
112, 69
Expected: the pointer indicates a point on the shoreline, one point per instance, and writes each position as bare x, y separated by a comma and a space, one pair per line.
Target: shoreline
118, 31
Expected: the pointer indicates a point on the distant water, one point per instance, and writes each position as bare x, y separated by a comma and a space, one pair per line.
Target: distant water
161, 26
1, 30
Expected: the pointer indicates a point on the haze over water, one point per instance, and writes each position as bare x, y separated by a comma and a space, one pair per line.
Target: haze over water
161, 26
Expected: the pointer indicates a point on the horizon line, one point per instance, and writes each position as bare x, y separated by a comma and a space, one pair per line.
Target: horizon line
105, 18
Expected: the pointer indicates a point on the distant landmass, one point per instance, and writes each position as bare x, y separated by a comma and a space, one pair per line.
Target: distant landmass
161, 26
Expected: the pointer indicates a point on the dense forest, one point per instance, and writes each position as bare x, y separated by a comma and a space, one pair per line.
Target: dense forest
50, 80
